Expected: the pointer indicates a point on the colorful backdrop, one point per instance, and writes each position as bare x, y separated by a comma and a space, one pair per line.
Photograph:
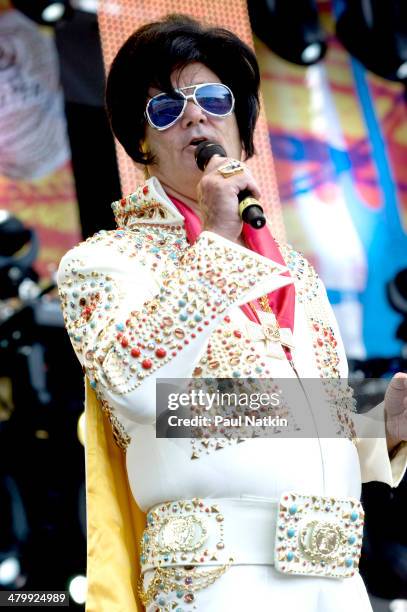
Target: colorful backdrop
339, 138
36, 181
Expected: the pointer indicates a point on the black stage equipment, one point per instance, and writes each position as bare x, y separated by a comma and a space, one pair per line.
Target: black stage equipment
44, 12
375, 32
290, 28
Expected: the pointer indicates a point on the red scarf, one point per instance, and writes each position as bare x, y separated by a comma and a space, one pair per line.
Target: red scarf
282, 301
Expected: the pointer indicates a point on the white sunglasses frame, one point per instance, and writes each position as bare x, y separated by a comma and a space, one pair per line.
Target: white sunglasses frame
191, 96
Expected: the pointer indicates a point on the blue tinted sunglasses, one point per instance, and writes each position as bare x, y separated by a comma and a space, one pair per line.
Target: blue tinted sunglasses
163, 110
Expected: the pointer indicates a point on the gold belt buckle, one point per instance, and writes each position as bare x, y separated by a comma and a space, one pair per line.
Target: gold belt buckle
181, 534
179, 537
318, 535
320, 541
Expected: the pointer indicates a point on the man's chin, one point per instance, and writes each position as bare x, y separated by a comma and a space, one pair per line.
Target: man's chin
188, 163
189, 153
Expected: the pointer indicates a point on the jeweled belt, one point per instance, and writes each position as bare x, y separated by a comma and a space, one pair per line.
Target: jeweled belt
190, 543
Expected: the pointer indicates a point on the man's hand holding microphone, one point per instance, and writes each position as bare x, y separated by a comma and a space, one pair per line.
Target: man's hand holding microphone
227, 193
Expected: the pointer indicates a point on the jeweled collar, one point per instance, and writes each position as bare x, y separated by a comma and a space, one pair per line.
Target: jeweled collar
147, 204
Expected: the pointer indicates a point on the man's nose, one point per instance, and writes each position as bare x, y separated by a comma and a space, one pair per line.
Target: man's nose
193, 114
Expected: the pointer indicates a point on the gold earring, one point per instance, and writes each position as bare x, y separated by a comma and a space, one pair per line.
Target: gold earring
144, 149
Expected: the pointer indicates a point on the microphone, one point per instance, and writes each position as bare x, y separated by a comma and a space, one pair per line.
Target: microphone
250, 210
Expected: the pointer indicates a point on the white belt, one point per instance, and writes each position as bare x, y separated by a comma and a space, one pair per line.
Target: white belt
238, 529
299, 534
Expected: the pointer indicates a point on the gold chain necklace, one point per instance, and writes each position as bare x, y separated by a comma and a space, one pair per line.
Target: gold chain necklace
167, 579
264, 304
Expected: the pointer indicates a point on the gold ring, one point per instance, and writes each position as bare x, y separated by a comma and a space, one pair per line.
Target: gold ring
231, 168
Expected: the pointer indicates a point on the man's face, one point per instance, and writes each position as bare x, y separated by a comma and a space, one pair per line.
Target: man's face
175, 165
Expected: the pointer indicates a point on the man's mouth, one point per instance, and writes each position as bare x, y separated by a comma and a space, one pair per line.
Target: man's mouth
196, 141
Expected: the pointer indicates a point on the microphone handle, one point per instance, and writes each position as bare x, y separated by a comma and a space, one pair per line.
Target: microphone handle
250, 210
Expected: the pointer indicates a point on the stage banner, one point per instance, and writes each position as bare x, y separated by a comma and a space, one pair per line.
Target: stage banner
339, 138
118, 21
36, 182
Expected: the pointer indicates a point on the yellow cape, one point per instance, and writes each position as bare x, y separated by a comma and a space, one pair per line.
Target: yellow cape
114, 521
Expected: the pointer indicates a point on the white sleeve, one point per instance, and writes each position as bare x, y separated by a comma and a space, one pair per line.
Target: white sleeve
375, 462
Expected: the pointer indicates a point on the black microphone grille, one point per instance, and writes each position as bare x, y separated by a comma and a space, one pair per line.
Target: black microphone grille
205, 150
